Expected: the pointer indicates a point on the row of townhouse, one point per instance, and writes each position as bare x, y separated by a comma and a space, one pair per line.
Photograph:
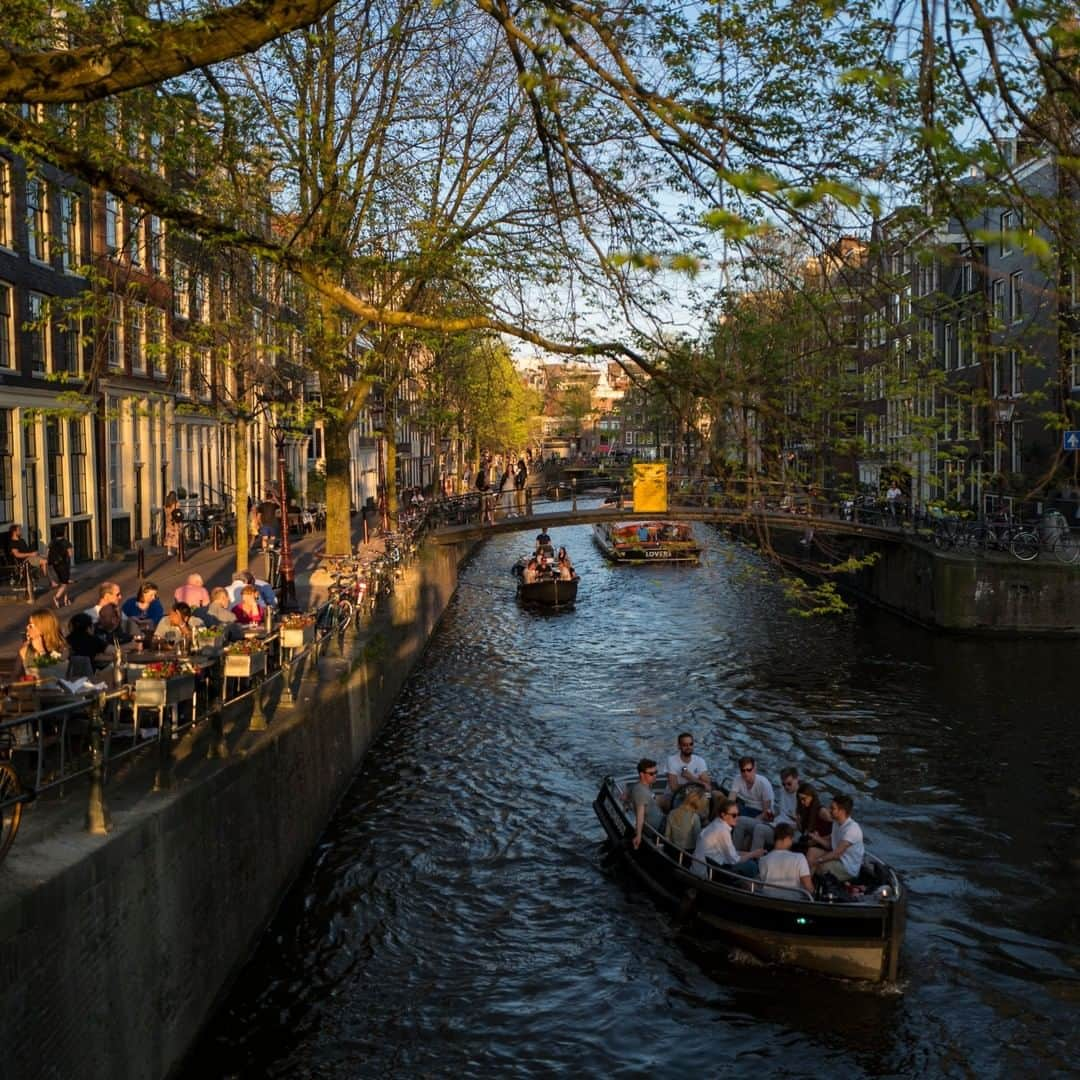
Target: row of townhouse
127, 355
968, 354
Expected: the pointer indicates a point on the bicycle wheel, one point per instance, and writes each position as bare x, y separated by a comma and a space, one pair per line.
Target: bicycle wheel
1067, 548
193, 534
974, 538
1024, 545
10, 815
345, 615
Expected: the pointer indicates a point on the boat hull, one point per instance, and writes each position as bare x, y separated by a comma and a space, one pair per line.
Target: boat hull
859, 940
549, 593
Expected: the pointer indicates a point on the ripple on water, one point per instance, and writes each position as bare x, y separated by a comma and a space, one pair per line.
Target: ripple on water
461, 917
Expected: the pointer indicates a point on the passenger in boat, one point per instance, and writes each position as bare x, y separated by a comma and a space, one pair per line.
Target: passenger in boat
647, 809
782, 866
565, 566
543, 541
683, 825
686, 767
810, 816
754, 795
643, 533
784, 812
529, 574
842, 854
716, 845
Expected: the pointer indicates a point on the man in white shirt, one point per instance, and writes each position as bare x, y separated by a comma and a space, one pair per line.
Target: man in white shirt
108, 593
754, 794
715, 844
843, 855
784, 811
785, 867
686, 767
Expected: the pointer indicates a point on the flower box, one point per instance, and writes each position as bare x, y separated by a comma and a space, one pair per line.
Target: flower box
210, 644
154, 693
49, 671
242, 665
296, 637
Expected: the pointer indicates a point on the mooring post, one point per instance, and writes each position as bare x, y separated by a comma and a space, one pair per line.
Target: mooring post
258, 717
573, 494
163, 779
97, 813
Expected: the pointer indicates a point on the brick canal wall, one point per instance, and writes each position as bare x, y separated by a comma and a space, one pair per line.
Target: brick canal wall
114, 951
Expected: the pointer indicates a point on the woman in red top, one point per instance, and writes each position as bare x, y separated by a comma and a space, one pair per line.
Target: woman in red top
249, 612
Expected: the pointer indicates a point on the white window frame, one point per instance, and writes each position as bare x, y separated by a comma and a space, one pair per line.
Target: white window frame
37, 220
1016, 296
36, 306
7, 325
70, 230
112, 225
1007, 223
7, 218
137, 337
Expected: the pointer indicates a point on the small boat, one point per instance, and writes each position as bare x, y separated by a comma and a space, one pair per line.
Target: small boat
647, 541
549, 591
856, 937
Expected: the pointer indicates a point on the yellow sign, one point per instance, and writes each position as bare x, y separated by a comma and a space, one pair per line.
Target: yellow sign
650, 488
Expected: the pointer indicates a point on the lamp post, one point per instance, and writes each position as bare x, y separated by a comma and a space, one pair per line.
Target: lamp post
287, 591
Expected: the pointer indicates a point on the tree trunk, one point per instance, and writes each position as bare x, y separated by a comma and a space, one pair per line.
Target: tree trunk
243, 516
338, 486
390, 438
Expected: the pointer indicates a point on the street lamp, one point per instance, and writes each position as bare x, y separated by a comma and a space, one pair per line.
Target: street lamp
282, 428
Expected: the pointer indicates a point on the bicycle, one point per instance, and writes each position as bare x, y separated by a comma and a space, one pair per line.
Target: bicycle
193, 533
11, 804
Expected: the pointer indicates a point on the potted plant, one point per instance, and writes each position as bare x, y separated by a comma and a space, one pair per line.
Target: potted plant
246, 658
49, 665
208, 640
297, 631
164, 682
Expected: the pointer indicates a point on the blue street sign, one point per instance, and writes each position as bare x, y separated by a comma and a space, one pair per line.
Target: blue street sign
1071, 440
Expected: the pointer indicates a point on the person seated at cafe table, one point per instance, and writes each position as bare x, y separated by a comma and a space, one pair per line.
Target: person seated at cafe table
193, 592
43, 639
219, 610
110, 625
144, 607
108, 593
83, 641
249, 612
179, 626
18, 550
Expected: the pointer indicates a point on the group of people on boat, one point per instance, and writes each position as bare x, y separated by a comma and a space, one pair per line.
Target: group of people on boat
544, 564
786, 838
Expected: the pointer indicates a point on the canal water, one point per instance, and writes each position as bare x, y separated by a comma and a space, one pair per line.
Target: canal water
462, 917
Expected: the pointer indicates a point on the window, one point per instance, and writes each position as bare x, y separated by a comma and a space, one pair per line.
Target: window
948, 346
7, 466
5, 206
134, 236
998, 300
154, 244
38, 327
182, 371
1016, 295
116, 460
70, 230
1008, 225
70, 358
7, 336
1016, 461
1008, 372
136, 337
114, 340
37, 219
112, 224
1073, 360
54, 466
77, 461
198, 296
967, 276
205, 375
156, 359
181, 301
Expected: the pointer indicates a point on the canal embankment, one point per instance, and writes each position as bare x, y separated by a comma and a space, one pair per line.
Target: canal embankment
116, 948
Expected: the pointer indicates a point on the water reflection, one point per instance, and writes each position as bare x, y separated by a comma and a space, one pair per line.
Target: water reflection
462, 917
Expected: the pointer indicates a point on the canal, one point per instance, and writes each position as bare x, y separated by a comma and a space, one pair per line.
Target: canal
461, 916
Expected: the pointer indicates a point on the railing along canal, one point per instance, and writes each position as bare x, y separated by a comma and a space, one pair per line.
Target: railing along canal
52, 738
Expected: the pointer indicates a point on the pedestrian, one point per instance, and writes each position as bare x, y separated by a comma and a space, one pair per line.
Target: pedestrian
59, 560
173, 517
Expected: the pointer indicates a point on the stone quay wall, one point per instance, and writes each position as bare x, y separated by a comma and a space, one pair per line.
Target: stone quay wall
115, 950
975, 594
